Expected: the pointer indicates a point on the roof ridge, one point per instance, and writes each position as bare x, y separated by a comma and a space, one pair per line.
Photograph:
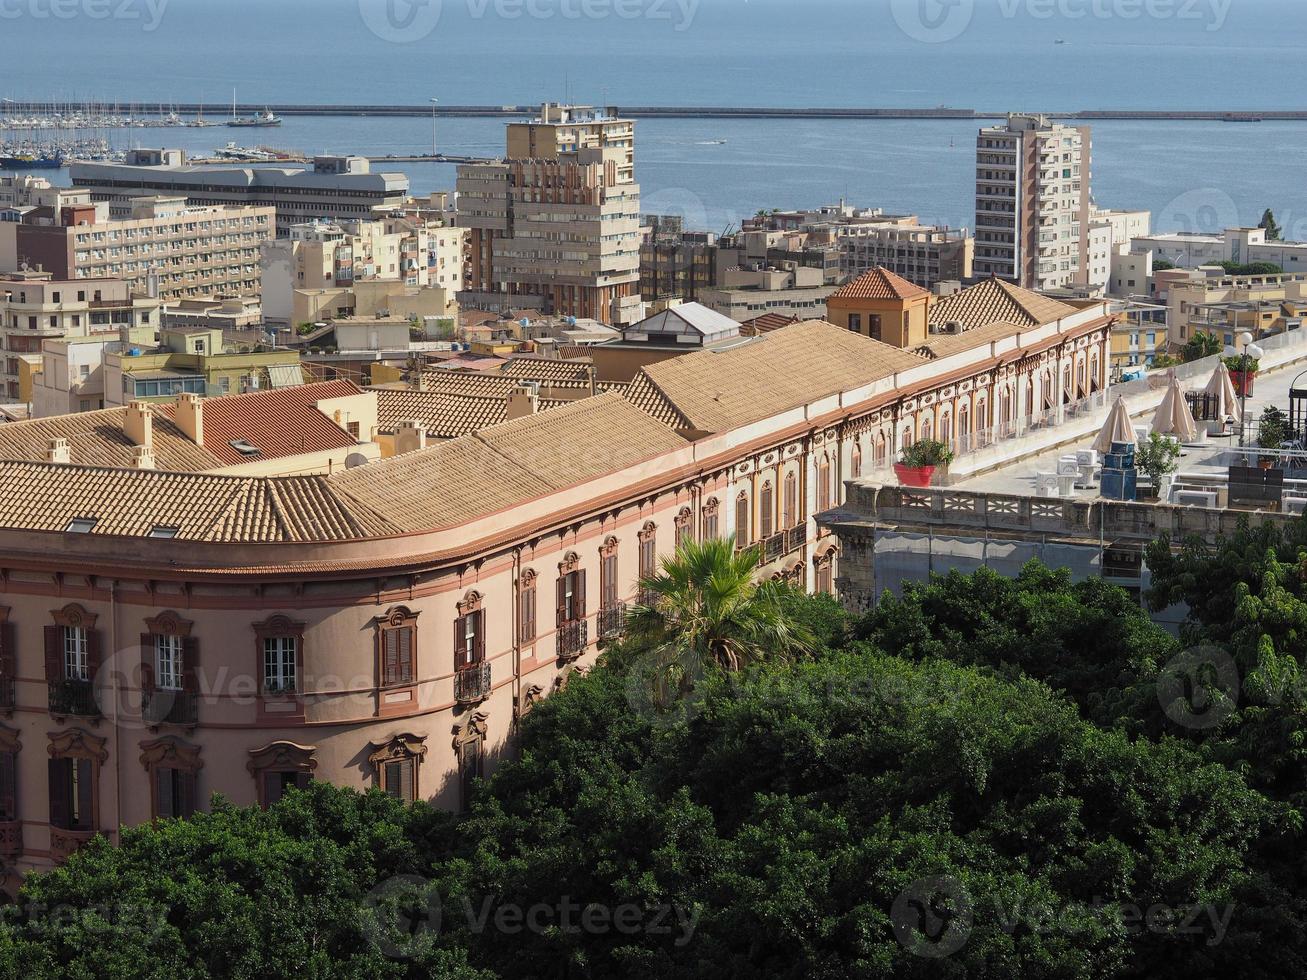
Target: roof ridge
666, 398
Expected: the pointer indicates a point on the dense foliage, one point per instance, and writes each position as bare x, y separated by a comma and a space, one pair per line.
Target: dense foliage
984, 777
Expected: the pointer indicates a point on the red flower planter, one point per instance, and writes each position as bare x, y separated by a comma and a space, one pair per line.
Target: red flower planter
1243, 382
914, 476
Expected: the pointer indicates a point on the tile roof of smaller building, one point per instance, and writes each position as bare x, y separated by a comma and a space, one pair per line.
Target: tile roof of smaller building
444, 415
281, 422
547, 369
97, 439
995, 300
766, 323
879, 283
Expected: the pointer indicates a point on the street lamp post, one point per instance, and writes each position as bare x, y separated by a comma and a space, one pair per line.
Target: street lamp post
1246, 349
434, 151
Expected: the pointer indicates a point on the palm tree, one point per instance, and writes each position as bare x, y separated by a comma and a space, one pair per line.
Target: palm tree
704, 607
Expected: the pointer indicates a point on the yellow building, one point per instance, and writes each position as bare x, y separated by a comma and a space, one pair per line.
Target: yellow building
883, 306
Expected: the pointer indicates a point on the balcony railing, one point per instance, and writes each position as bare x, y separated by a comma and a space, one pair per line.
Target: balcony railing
612, 620
472, 683
171, 708
73, 697
573, 638
774, 546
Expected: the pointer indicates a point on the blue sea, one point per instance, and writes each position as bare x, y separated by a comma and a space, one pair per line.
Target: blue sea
995, 55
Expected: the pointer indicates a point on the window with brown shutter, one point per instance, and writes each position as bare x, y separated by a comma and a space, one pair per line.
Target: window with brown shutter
72, 794
765, 504
710, 520
855, 465
790, 502
823, 483
469, 632
279, 766
396, 765
397, 779
8, 786
608, 574
571, 597
742, 520
684, 527
397, 648
174, 792
8, 660
527, 622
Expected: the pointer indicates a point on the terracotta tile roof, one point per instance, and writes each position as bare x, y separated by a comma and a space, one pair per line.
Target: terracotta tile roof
765, 324
994, 300
507, 464
547, 369
281, 422
445, 415
645, 394
941, 345
466, 383
200, 506
879, 283
716, 390
97, 439
574, 351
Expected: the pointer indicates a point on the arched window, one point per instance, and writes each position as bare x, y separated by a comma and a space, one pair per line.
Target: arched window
823, 482
710, 527
927, 427
790, 501
766, 505
684, 526
742, 520
945, 427
882, 449
855, 461
964, 421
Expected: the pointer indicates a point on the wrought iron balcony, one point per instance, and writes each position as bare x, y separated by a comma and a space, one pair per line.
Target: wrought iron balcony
573, 638
73, 697
472, 684
775, 546
612, 620
165, 707
796, 537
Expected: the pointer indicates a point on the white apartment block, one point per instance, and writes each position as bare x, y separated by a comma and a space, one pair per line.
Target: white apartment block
1033, 202
1189, 250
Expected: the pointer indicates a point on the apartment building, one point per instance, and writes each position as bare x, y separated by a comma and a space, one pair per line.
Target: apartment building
674, 263
1110, 234
749, 292
364, 268
161, 246
1186, 250
1227, 305
35, 307
335, 187
557, 232
1139, 334
1033, 202
864, 238
387, 624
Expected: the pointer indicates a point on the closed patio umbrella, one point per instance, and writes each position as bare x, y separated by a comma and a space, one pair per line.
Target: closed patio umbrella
1116, 428
1173, 417
1221, 387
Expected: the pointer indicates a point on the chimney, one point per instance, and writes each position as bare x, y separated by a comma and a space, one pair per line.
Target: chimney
138, 425
57, 451
410, 436
522, 401
190, 417
142, 457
